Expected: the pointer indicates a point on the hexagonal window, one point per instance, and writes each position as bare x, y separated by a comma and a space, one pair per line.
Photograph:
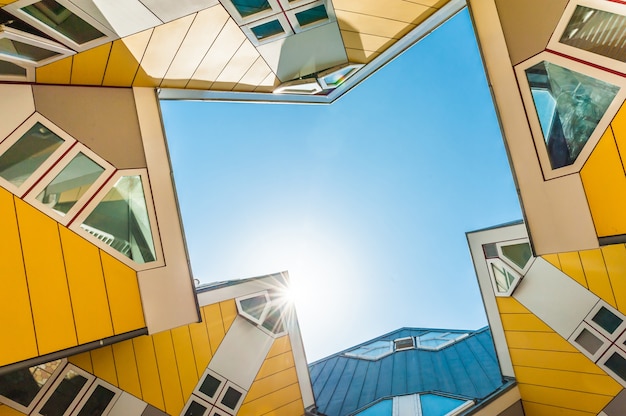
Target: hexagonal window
372, 351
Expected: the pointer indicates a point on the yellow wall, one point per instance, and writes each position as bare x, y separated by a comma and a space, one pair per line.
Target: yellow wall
56, 289
7, 411
554, 378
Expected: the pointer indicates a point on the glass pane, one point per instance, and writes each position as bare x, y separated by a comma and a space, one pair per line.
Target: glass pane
97, 402
231, 398
597, 31
9, 68
22, 386
195, 409
312, 15
254, 306
273, 321
607, 320
56, 16
432, 343
617, 364
268, 29
121, 220
519, 254
504, 279
210, 385
338, 77
249, 7
373, 350
28, 153
24, 50
588, 341
382, 408
577, 104
433, 405
64, 394
70, 184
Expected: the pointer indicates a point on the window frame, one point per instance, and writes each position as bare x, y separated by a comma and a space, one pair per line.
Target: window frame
40, 394
264, 313
211, 400
89, 392
52, 160
30, 72
320, 76
582, 54
36, 41
618, 331
218, 402
234, 13
287, 31
601, 350
518, 277
109, 35
79, 396
510, 262
194, 397
293, 10
390, 350
50, 175
533, 118
74, 225
411, 347
443, 345
614, 349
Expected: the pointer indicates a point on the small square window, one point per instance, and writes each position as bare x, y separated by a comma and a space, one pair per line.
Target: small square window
231, 398
250, 7
607, 320
268, 29
589, 341
66, 391
312, 15
614, 363
195, 409
210, 385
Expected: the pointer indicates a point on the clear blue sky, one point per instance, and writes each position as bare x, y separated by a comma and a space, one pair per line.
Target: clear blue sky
365, 202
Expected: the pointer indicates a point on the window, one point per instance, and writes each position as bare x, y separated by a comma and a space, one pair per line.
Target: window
518, 253
65, 392
435, 340
307, 86
210, 386
334, 77
267, 29
589, 341
401, 344
23, 48
231, 398
371, 351
196, 407
214, 395
63, 21
254, 307
507, 262
22, 389
312, 15
98, 400
266, 310
247, 11
10, 71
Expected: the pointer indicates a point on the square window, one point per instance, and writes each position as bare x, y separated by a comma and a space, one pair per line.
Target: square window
248, 8
607, 320
268, 29
312, 15
22, 389
589, 341
195, 409
210, 385
98, 400
66, 391
231, 398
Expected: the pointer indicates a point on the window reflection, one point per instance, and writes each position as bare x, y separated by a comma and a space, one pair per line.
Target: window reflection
22, 386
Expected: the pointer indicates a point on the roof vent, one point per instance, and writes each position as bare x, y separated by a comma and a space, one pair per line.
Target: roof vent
404, 343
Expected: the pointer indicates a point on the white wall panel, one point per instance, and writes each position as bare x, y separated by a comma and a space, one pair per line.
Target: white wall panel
168, 10
15, 111
127, 17
128, 405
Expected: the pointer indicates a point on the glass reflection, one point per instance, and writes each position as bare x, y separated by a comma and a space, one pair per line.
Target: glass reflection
56, 16
23, 50
22, 386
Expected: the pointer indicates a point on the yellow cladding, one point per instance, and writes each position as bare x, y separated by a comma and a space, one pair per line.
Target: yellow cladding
554, 378
58, 72
255, 75
124, 59
16, 320
571, 266
7, 411
615, 260
89, 66
597, 275
273, 402
163, 369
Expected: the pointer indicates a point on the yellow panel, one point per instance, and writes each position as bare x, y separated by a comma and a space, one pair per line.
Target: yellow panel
280, 346
237, 67
7, 411
359, 56
123, 293
372, 25
556, 360
16, 319
553, 259
615, 260
82, 360
537, 409
168, 372
214, 325
395, 10
104, 364
510, 305
126, 367
124, 59
597, 276
58, 72
47, 283
228, 309
86, 282
276, 364
363, 41
618, 125
89, 66
255, 75
605, 186
267, 385
268, 84
523, 322
148, 371
202, 33
164, 43
291, 409
201, 345
576, 400
185, 359
571, 266
538, 341
271, 401
569, 380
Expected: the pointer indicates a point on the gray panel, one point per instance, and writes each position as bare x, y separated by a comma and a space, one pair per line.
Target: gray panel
103, 119
515, 409
526, 34
617, 405
153, 411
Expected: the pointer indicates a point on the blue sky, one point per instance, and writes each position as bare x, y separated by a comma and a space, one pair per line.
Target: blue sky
365, 202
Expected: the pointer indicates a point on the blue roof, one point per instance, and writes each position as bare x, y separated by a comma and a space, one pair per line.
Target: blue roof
467, 369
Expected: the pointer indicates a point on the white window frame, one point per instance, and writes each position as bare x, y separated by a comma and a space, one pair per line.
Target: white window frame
234, 13
587, 56
215, 411
291, 14
411, 347
500, 263
441, 346
601, 350
509, 262
36, 41
40, 394
99, 196
618, 331
247, 29
320, 77
390, 351
30, 72
68, 142
602, 363
109, 35
31, 196
265, 311
533, 118
90, 379
89, 392
208, 399
194, 397
298, 87
220, 397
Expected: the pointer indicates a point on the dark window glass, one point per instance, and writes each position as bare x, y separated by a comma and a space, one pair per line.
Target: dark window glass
19, 386
254, 306
267, 30
249, 7
24, 50
210, 385
9, 68
491, 251
617, 364
519, 254
56, 16
97, 402
195, 409
231, 398
312, 15
588, 341
64, 394
607, 320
